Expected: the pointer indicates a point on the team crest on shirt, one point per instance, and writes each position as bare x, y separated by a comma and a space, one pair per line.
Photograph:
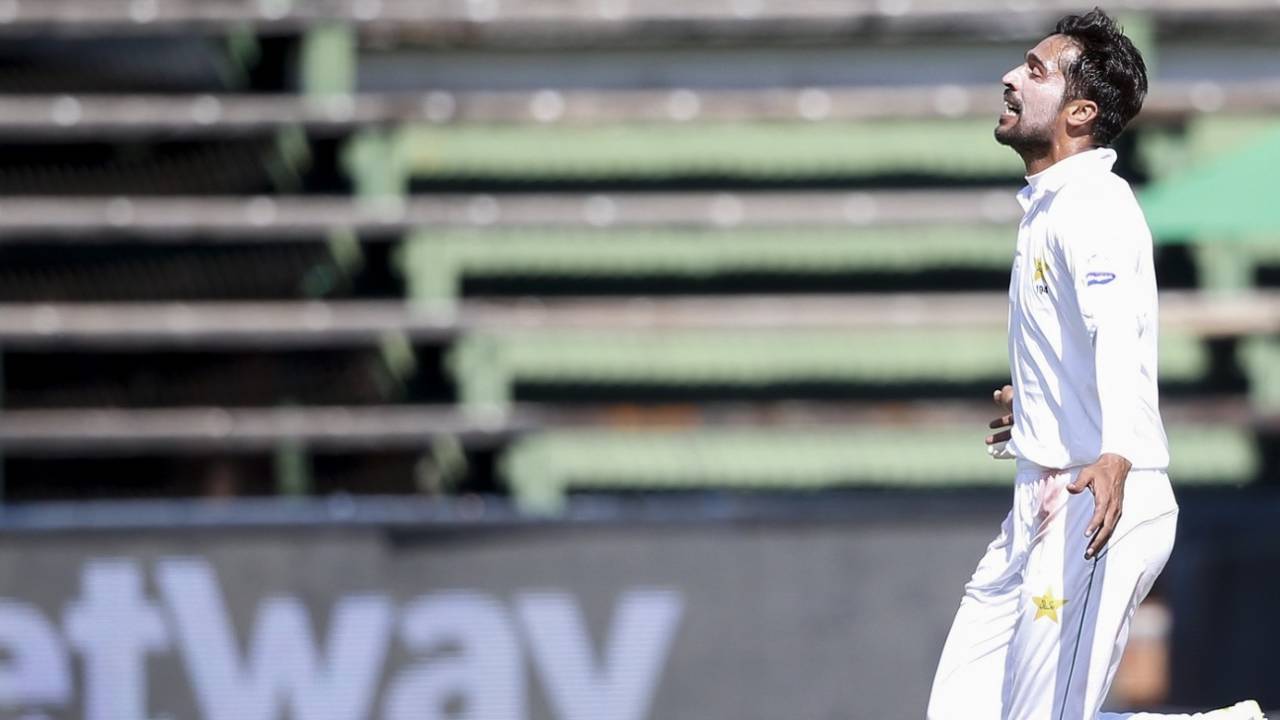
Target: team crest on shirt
1038, 280
1047, 605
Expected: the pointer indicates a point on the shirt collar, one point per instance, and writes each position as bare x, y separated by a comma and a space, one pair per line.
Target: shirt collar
1052, 178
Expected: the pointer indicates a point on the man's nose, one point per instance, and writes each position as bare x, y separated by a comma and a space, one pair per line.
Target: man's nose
1010, 79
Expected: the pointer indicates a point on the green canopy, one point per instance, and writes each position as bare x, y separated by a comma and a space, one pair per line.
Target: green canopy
1232, 197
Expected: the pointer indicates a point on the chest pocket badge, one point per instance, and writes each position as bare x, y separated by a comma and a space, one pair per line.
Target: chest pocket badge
1039, 281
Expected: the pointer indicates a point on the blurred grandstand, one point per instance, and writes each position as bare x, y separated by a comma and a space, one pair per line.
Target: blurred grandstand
456, 249
403, 247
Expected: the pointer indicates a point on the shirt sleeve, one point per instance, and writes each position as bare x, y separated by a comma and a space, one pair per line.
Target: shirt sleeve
1102, 248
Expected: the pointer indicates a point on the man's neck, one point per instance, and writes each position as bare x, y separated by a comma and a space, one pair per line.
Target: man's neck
1040, 161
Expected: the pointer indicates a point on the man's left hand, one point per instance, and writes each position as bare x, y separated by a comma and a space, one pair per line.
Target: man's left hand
1106, 479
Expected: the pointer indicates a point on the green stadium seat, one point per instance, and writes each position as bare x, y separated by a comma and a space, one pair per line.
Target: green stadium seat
1217, 194
435, 262
488, 366
780, 151
1166, 152
540, 469
1261, 359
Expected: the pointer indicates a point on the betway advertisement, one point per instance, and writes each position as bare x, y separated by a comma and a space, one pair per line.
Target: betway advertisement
732, 621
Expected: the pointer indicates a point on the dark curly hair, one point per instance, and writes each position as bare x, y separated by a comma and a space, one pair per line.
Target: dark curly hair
1108, 70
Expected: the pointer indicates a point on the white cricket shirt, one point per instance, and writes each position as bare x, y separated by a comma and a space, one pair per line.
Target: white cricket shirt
1083, 321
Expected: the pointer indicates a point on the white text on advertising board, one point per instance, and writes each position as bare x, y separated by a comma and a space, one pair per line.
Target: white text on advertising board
470, 652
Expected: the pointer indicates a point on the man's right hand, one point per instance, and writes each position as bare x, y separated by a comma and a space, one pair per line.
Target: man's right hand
1003, 399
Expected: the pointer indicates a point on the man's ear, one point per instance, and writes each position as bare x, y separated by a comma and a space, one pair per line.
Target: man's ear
1081, 114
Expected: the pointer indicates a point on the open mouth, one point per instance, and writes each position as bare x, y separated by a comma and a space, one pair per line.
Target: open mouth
1011, 107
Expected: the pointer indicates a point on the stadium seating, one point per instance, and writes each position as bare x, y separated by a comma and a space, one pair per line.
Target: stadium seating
545, 467
531, 247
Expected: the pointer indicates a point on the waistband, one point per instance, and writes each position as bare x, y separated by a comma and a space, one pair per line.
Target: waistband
1029, 469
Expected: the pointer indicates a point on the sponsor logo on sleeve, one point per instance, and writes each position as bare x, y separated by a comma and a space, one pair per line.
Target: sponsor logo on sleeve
1098, 278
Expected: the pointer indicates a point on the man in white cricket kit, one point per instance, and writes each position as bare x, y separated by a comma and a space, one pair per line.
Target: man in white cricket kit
1044, 620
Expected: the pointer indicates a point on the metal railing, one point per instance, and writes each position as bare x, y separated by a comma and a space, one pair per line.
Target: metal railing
178, 219
316, 323
441, 19
336, 429
131, 116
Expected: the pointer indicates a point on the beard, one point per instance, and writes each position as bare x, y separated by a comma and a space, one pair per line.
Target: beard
1024, 138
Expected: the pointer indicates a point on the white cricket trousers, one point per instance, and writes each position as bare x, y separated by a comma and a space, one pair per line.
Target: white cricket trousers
1040, 630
